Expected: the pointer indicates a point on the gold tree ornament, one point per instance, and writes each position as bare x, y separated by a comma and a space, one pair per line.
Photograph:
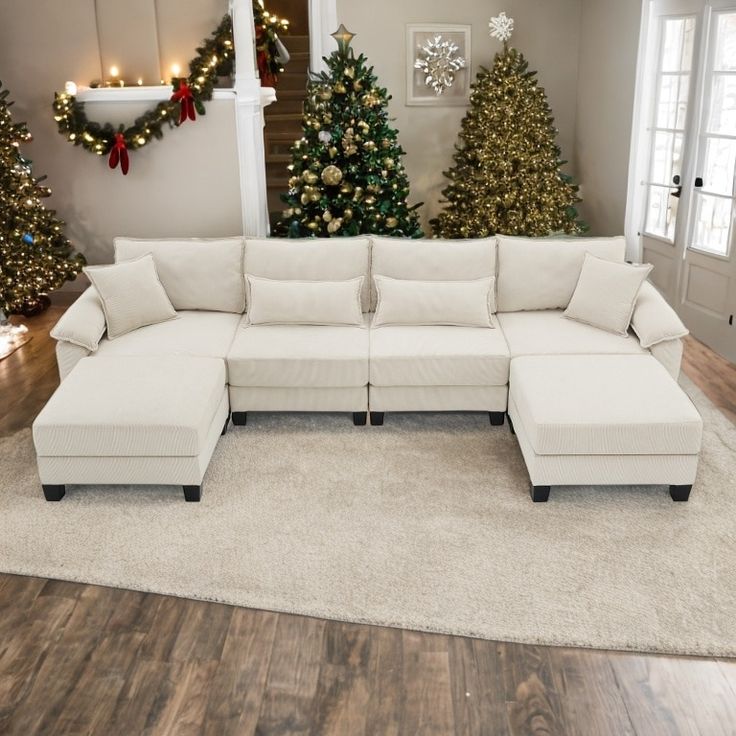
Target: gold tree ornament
343, 37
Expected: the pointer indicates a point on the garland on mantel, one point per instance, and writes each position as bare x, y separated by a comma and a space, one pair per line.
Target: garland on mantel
214, 58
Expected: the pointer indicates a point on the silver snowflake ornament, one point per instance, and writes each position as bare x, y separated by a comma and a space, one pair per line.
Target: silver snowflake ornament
501, 27
439, 60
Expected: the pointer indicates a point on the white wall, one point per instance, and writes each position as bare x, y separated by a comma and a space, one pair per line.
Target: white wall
185, 184
609, 44
547, 32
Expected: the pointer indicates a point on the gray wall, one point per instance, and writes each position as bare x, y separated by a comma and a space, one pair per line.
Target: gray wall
609, 44
547, 32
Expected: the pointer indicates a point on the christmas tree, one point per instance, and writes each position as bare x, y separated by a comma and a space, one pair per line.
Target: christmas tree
507, 175
347, 177
35, 257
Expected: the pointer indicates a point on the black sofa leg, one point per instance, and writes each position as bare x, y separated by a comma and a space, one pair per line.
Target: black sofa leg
360, 418
540, 494
680, 493
192, 494
497, 418
377, 418
511, 424
54, 493
240, 418
227, 424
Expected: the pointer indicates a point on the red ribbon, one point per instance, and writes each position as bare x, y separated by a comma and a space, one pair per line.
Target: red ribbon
185, 97
119, 154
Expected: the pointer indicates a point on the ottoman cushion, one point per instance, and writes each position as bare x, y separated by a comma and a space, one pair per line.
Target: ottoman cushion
602, 405
132, 407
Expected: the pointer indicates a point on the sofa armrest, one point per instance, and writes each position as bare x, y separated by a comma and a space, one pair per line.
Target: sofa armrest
67, 356
83, 324
669, 354
654, 321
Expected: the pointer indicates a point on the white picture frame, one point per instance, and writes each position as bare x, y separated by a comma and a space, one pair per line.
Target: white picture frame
417, 91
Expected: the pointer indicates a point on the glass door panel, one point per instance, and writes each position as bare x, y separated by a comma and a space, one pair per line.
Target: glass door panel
714, 195
667, 135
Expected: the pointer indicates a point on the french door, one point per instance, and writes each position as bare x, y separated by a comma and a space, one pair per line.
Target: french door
687, 197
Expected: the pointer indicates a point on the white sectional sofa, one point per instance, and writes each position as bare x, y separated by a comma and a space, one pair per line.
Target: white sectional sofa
361, 368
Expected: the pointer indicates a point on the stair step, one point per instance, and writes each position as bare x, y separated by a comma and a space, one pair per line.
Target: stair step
293, 82
296, 44
278, 158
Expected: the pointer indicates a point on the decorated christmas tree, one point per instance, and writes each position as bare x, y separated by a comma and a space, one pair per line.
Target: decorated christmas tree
347, 176
507, 176
35, 256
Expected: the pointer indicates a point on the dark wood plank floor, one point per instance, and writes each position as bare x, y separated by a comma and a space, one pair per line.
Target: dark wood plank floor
81, 659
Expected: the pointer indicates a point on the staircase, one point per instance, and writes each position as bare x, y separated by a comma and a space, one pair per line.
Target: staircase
284, 121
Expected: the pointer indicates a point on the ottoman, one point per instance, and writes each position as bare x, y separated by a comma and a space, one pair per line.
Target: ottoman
603, 420
133, 420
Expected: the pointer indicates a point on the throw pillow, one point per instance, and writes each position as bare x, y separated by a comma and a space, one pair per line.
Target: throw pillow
606, 294
272, 302
131, 294
457, 303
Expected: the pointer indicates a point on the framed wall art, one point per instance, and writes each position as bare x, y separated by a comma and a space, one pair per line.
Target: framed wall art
438, 64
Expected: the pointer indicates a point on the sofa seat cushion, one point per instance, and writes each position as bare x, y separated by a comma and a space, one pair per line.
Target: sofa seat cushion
292, 356
551, 333
438, 356
203, 334
602, 405
132, 407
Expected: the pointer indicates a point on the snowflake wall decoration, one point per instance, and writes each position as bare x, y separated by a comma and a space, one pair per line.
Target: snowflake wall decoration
501, 27
439, 61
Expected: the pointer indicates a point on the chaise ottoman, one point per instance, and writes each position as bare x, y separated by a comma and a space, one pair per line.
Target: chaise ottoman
603, 420
133, 420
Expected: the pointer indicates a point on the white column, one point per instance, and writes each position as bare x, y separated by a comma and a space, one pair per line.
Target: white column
322, 22
250, 99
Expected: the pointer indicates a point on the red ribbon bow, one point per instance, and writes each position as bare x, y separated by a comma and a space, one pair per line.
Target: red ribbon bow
185, 97
119, 154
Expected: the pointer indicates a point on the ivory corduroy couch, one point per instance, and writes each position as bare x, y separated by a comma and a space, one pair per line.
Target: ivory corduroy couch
367, 370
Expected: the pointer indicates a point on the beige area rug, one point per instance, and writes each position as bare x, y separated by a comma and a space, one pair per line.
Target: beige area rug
425, 524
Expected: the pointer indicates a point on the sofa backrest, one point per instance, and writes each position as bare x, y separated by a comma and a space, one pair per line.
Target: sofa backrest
542, 273
433, 260
310, 259
197, 273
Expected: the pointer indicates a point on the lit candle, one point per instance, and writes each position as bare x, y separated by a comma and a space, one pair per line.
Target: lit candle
140, 82
175, 70
114, 72
70, 88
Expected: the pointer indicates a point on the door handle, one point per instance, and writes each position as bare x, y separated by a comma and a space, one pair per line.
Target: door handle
698, 182
678, 192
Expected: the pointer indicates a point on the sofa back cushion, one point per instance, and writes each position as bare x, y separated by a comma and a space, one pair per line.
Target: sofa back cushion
434, 260
197, 273
542, 273
310, 259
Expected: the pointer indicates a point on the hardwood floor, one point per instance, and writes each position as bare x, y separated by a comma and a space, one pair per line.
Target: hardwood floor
82, 659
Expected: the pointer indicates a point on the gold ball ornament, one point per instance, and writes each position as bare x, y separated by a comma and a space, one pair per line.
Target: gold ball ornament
391, 222
310, 177
350, 72
369, 146
325, 94
331, 176
313, 225
370, 201
327, 216
385, 143
348, 214
334, 226
346, 188
340, 88
333, 152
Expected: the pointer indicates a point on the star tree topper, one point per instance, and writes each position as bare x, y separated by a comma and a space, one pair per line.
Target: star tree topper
502, 27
